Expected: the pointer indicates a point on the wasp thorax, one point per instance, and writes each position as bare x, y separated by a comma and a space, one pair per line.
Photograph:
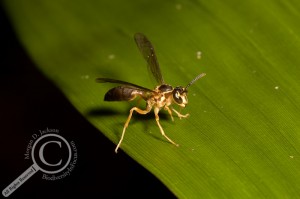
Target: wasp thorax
179, 96
165, 88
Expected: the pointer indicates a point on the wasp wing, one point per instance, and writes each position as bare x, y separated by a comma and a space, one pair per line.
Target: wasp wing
105, 80
126, 91
148, 53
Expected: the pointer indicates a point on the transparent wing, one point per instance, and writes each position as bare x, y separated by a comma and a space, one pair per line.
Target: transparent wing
148, 53
130, 85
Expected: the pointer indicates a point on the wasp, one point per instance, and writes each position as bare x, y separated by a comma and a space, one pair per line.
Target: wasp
162, 97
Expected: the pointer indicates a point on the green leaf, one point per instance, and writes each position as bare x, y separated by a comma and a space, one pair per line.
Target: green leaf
242, 137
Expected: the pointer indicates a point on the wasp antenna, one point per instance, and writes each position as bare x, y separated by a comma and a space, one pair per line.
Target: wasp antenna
196, 78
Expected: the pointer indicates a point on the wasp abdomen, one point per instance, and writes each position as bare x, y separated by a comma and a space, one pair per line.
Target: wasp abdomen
120, 94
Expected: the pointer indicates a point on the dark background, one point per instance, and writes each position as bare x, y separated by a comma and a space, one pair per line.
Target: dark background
29, 102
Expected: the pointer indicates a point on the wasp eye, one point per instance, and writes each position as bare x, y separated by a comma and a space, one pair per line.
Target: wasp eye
177, 97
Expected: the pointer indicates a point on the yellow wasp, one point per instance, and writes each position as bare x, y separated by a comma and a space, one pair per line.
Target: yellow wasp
163, 96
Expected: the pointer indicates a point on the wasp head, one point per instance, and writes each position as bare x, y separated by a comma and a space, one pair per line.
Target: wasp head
180, 96
180, 93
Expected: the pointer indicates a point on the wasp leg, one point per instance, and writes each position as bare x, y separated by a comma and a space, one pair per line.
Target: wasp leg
170, 112
140, 111
156, 110
180, 115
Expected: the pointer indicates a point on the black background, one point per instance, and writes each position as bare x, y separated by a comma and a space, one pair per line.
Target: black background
29, 103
